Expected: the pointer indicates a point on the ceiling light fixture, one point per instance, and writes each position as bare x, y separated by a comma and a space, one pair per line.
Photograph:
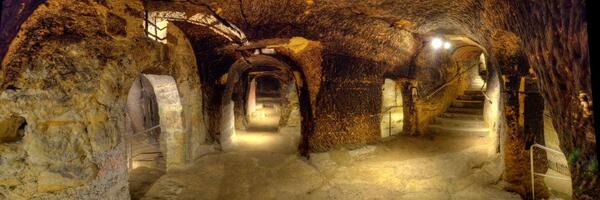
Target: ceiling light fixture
447, 45
437, 43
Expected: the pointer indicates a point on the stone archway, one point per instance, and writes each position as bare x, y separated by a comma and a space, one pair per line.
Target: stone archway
156, 23
163, 89
228, 133
265, 98
145, 140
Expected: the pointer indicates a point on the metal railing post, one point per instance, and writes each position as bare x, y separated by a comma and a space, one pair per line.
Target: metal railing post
539, 174
389, 111
456, 77
389, 123
129, 153
130, 145
484, 93
532, 173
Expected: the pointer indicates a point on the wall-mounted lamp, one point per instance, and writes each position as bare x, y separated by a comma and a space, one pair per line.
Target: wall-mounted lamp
438, 43
447, 45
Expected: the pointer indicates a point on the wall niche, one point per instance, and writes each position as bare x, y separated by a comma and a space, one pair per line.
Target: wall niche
12, 129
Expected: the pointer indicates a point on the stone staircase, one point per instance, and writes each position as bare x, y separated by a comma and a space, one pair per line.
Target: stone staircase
465, 115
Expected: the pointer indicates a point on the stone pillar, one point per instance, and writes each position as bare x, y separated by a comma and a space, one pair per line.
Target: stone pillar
227, 127
408, 104
349, 105
533, 116
240, 104
289, 108
251, 98
171, 121
520, 137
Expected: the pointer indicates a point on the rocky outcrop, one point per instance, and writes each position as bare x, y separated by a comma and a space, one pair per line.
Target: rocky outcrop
67, 73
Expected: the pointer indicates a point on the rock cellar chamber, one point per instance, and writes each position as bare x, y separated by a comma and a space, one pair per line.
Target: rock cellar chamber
297, 99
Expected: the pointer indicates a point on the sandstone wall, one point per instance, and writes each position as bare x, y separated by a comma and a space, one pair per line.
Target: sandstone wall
67, 73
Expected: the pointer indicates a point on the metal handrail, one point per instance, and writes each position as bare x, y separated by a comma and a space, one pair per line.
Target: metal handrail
389, 111
449, 82
149, 129
483, 92
130, 144
392, 107
540, 174
146, 153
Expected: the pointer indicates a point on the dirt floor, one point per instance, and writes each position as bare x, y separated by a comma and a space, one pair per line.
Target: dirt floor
141, 179
444, 167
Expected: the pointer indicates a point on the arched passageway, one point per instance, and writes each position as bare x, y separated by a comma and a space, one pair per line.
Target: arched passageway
265, 110
268, 97
155, 111
154, 142
399, 99
146, 139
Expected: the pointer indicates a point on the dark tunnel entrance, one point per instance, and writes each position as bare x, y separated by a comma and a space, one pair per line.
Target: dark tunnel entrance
265, 104
263, 110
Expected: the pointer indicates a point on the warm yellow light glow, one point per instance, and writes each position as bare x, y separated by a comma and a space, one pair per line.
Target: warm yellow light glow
264, 116
447, 45
157, 30
256, 139
234, 137
134, 164
437, 43
397, 116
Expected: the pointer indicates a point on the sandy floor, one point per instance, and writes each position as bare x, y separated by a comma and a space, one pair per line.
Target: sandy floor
284, 141
445, 167
141, 179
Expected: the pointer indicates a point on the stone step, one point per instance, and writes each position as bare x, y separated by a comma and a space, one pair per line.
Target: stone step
471, 97
477, 81
148, 156
455, 130
474, 88
461, 116
480, 84
473, 92
467, 104
459, 122
473, 111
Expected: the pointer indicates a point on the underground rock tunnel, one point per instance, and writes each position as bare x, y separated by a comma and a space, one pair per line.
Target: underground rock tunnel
296, 99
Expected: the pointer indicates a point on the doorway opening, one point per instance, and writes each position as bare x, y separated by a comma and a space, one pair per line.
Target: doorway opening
392, 113
155, 137
261, 109
146, 137
272, 116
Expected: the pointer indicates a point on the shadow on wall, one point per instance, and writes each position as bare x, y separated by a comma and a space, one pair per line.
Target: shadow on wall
14, 13
12, 129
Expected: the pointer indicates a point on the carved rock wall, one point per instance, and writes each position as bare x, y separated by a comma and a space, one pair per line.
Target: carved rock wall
72, 65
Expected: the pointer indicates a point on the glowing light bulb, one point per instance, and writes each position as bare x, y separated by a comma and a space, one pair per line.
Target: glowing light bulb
447, 45
437, 43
